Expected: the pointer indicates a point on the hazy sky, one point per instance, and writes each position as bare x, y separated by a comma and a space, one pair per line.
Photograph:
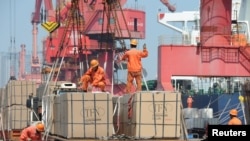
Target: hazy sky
16, 24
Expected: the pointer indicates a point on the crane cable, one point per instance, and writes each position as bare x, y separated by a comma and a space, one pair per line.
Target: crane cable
117, 22
60, 50
104, 9
107, 9
80, 27
62, 42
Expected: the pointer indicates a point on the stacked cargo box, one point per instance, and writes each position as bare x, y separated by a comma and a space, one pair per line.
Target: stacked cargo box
15, 113
154, 115
120, 118
57, 110
50, 88
190, 113
79, 115
199, 118
49, 117
83, 115
2, 91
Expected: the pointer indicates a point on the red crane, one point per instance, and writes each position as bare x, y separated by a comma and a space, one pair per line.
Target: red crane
216, 55
90, 29
36, 19
35, 74
170, 7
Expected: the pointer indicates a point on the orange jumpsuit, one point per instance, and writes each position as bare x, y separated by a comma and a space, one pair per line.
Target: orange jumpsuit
133, 56
30, 133
234, 121
96, 78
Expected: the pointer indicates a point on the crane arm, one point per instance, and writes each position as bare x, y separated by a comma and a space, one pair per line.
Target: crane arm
36, 15
170, 7
50, 12
48, 5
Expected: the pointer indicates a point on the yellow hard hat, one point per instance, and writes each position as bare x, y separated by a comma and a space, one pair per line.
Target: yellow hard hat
133, 42
40, 127
233, 112
241, 98
94, 63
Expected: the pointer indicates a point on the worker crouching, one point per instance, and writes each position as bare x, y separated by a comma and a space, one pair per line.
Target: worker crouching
32, 132
95, 76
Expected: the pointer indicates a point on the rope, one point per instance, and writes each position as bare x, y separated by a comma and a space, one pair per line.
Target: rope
48, 104
117, 108
225, 107
154, 109
146, 84
112, 80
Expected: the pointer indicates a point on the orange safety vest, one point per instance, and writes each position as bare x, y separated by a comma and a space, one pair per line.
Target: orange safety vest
235, 121
30, 133
133, 57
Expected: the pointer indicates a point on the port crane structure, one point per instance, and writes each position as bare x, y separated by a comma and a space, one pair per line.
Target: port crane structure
80, 30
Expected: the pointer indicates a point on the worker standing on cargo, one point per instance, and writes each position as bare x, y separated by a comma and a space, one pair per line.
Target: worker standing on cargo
190, 102
95, 75
32, 132
134, 65
234, 120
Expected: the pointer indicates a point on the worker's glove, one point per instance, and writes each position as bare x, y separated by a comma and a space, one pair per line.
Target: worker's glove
79, 83
90, 87
144, 46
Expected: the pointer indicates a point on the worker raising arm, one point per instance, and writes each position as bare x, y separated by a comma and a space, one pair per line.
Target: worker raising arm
134, 65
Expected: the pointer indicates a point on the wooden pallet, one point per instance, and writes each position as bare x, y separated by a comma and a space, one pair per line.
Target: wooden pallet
12, 135
57, 138
15, 134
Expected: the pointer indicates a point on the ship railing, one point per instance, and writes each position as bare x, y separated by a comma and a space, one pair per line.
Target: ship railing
172, 40
234, 40
134, 6
244, 58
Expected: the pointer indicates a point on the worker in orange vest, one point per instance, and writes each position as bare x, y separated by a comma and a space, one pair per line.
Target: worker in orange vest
190, 102
234, 120
134, 65
95, 75
32, 132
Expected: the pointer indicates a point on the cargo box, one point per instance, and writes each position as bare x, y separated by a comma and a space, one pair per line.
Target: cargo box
154, 115
86, 115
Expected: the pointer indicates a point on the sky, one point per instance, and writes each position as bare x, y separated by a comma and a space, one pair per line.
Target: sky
16, 24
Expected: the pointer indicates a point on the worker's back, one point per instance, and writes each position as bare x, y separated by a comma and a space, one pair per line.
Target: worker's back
235, 121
